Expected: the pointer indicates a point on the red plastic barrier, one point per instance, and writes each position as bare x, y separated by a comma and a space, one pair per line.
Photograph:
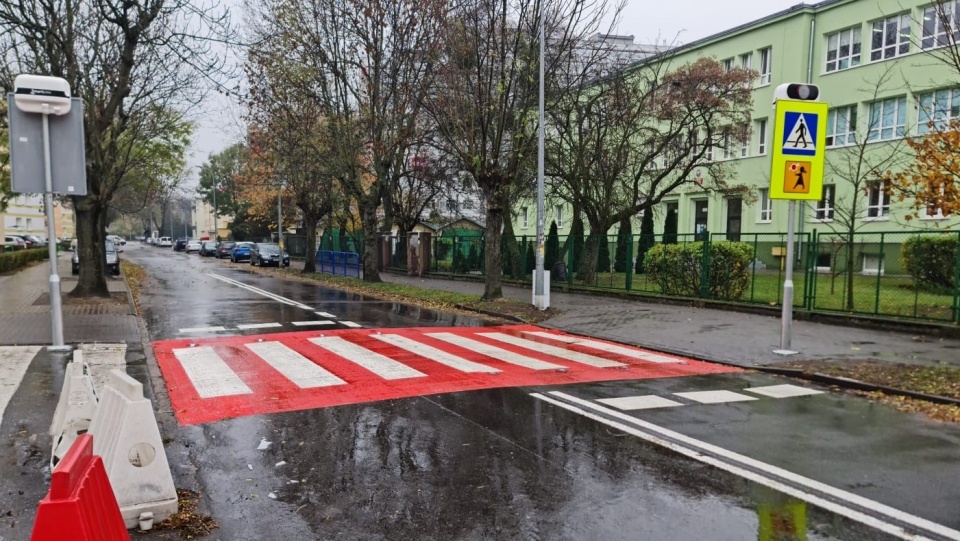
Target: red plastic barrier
80, 505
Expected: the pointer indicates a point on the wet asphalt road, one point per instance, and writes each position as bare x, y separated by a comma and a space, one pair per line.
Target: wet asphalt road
502, 464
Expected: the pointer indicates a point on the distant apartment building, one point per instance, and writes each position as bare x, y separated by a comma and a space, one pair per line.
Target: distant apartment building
203, 223
25, 215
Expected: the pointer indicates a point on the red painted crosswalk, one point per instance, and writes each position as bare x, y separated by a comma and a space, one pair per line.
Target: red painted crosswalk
221, 378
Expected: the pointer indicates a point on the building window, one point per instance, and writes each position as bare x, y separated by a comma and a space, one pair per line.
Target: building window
842, 126
746, 61
843, 49
937, 109
887, 119
560, 216
727, 64
935, 33
824, 210
762, 137
727, 144
765, 66
744, 140
19, 223
766, 206
524, 222
891, 37
29, 223
933, 209
878, 200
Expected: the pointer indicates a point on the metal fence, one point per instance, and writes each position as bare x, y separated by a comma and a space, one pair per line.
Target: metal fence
904, 275
342, 263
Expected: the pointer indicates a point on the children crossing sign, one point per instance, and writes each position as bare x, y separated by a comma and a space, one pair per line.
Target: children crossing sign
799, 133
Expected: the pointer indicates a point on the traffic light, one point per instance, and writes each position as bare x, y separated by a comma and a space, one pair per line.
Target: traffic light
796, 91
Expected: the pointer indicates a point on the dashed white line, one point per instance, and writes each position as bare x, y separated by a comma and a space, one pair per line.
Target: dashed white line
246, 326
312, 322
202, 329
629, 403
783, 391
326, 314
351, 324
715, 397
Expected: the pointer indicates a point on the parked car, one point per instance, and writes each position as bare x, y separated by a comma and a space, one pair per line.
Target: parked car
223, 249
23, 238
118, 240
35, 241
181, 244
113, 259
193, 245
268, 253
165, 242
241, 252
13, 242
208, 249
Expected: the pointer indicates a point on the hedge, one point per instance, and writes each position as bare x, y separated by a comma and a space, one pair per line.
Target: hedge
10, 261
678, 268
931, 260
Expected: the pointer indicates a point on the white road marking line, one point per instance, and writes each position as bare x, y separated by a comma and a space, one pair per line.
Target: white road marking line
603, 346
629, 403
383, 366
434, 354
771, 476
262, 292
294, 366
574, 356
313, 322
326, 314
351, 324
210, 375
202, 329
715, 397
783, 391
14, 361
494, 351
245, 326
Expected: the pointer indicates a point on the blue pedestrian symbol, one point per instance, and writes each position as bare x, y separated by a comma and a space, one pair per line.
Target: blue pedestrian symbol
800, 134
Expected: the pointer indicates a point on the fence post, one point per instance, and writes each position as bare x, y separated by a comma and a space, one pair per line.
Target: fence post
628, 279
876, 301
705, 266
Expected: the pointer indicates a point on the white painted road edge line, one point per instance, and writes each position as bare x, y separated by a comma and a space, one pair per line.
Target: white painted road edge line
259, 291
202, 329
695, 449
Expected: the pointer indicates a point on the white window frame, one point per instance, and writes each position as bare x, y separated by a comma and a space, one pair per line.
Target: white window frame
843, 59
524, 218
746, 60
933, 34
842, 126
824, 209
890, 46
939, 215
872, 270
744, 141
877, 115
941, 107
765, 215
727, 64
766, 66
762, 137
880, 210
728, 152
559, 209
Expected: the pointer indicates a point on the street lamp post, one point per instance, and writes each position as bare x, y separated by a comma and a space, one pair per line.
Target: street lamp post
280, 215
216, 230
540, 299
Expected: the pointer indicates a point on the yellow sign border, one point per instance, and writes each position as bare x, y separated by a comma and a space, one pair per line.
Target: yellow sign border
779, 160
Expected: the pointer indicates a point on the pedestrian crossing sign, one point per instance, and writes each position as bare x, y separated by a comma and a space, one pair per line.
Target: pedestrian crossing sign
798, 158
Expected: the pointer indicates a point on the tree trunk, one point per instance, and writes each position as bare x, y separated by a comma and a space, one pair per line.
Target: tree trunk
850, 262
310, 260
512, 248
588, 265
493, 283
91, 231
371, 238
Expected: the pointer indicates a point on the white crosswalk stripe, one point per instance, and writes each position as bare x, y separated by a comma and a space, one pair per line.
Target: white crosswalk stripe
294, 366
574, 356
494, 351
247, 326
381, 365
210, 375
603, 346
313, 322
434, 354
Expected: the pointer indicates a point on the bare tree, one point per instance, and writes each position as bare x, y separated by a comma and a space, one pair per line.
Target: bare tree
137, 66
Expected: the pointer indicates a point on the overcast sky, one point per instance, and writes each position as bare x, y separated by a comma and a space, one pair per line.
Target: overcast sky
679, 21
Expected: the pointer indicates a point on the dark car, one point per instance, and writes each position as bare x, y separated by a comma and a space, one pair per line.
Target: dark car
181, 244
113, 259
223, 250
266, 253
27, 241
208, 249
241, 252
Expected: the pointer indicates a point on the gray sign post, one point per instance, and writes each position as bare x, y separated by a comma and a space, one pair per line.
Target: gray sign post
47, 155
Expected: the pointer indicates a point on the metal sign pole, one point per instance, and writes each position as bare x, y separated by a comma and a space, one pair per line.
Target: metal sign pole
540, 300
56, 307
786, 325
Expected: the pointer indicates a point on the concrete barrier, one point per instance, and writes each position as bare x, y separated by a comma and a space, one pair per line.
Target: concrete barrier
126, 435
75, 409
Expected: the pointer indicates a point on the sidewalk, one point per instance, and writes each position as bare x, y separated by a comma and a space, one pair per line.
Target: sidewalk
25, 316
